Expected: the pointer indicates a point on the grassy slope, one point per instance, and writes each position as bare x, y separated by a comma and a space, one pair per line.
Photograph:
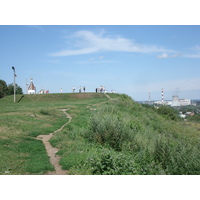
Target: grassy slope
116, 137
122, 137
31, 116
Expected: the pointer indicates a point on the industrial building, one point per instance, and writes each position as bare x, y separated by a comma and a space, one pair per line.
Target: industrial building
180, 102
175, 101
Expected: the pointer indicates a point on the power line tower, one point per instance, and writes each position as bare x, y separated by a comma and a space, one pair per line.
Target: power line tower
149, 95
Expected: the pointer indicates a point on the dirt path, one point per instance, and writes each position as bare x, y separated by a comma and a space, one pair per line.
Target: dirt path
108, 96
91, 107
51, 151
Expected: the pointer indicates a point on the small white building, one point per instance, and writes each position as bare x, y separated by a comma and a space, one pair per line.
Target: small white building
31, 88
185, 102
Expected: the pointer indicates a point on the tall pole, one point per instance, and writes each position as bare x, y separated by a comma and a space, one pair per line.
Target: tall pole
162, 95
14, 84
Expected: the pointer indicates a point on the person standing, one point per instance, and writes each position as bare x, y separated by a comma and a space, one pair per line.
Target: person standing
80, 89
101, 88
73, 89
84, 89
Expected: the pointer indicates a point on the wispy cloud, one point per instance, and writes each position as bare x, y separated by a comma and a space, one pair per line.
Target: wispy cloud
163, 55
193, 55
96, 60
87, 42
167, 55
196, 52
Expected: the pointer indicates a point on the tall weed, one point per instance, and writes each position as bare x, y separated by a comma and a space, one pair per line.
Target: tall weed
110, 129
157, 145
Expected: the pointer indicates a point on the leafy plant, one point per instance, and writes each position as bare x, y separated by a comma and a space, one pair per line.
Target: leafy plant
111, 163
44, 112
168, 112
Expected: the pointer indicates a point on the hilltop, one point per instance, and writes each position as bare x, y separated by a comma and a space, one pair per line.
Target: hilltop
52, 97
105, 136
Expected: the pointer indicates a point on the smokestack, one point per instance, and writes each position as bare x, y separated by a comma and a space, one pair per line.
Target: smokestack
162, 95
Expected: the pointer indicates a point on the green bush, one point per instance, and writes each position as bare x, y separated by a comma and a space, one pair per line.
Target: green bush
142, 140
168, 113
112, 130
194, 118
111, 163
44, 112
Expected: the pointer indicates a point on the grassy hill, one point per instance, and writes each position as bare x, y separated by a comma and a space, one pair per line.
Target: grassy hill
31, 116
117, 136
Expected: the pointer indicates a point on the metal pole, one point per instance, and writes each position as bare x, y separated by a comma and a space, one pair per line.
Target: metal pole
14, 84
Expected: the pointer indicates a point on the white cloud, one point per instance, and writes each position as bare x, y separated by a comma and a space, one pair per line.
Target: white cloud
89, 42
75, 52
101, 57
166, 55
163, 55
95, 61
194, 55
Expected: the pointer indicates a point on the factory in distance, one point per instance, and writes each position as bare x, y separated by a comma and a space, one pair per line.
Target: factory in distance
174, 102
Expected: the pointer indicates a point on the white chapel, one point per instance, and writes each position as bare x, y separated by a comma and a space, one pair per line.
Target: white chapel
31, 88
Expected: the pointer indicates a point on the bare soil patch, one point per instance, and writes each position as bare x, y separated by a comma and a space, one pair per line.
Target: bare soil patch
51, 151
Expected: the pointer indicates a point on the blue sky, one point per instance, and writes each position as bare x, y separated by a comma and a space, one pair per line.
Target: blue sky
129, 59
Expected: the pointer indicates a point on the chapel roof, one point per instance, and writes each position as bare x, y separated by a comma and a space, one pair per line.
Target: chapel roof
31, 86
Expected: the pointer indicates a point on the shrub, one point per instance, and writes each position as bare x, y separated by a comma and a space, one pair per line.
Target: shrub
111, 163
135, 140
195, 118
177, 156
168, 113
44, 112
110, 129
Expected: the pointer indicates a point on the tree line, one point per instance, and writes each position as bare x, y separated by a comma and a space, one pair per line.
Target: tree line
8, 89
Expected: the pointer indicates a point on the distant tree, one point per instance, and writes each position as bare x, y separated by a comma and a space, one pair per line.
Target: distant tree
19, 90
148, 106
195, 118
168, 113
10, 90
3, 88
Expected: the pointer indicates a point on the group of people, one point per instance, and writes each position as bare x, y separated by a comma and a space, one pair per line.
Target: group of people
102, 89
79, 88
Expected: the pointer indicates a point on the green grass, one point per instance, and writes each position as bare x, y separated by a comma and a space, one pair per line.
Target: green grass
22, 155
34, 115
104, 137
123, 137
